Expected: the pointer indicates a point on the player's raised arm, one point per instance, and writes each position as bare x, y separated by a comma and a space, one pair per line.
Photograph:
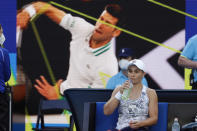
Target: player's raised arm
32, 9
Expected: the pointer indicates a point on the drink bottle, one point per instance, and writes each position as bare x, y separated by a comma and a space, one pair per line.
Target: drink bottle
176, 125
126, 92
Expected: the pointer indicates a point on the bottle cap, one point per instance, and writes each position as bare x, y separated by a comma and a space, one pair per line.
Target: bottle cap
175, 119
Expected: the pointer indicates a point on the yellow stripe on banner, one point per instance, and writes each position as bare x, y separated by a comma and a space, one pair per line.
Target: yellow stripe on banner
74, 128
12, 80
187, 79
43, 52
67, 115
28, 123
173, 9
50, 71
104, 76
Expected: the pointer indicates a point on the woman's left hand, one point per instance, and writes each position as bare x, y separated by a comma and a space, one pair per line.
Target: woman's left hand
135, 124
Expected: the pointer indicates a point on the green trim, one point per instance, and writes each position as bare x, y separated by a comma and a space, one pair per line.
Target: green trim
102, 52
105, 46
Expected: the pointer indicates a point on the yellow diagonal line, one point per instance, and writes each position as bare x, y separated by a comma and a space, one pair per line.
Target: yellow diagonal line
121, 29
43, 52
45, 57
173, 9
43, 9
28, 123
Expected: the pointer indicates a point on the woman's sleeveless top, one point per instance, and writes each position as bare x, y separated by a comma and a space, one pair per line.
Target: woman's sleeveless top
133, 110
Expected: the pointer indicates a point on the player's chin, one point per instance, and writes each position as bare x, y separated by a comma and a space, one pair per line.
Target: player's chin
98, 38
134, 82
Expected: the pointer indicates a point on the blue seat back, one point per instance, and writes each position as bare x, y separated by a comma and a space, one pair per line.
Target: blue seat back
162, 121
104, 123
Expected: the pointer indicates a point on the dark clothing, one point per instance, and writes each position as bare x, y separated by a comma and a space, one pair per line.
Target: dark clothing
4, 111
192, 81
194, 86
5, 71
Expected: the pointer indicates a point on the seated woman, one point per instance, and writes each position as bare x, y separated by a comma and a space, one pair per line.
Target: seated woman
139, 109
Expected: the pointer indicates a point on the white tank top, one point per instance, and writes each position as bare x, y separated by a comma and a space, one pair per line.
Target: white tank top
133, 110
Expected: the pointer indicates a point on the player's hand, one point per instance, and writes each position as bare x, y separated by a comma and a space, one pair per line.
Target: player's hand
47, 90
126, 85
22, 19
135, 124
41, 7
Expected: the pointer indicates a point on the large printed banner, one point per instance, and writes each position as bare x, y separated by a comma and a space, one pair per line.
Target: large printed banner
152, 23
146, 19
160, 37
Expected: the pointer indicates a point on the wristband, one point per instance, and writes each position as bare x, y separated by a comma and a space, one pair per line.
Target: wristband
31, 10
118, 96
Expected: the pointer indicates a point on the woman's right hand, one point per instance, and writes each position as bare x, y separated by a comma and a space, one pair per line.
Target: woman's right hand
126, 85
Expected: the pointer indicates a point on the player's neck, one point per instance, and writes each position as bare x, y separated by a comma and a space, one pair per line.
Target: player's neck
97, 44
137, 86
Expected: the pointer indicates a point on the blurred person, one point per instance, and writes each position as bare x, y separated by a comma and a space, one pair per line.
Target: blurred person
5, 73
139, 109
188, 59
125, 55
90, 48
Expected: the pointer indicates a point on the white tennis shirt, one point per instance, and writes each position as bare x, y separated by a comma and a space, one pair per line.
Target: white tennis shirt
86, 64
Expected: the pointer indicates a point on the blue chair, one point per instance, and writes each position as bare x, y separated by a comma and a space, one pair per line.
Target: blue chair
162, 122
103, 122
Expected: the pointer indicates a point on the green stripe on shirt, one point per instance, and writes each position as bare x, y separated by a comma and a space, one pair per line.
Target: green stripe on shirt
102, 52
105, 46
